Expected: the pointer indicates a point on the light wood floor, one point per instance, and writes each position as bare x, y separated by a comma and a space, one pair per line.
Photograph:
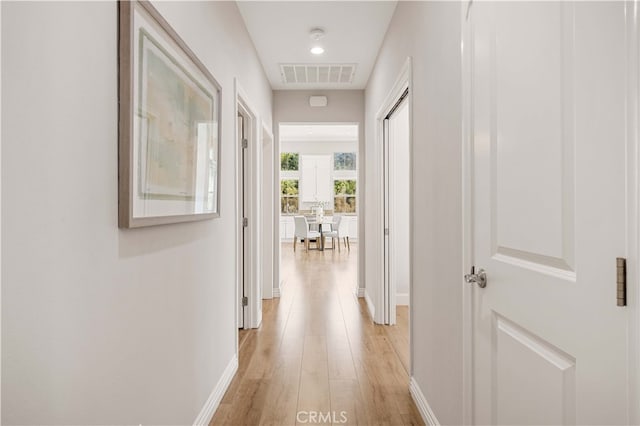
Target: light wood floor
399, 335
319, 351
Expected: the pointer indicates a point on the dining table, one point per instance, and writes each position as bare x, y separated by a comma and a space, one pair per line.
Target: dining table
320, 222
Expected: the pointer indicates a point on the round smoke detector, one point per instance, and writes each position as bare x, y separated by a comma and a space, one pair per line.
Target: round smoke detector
316, 34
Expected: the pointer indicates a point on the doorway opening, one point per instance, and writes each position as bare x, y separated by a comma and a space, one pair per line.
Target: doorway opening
249, 223
245, 266
318, 198
255, 216
397, 224
397, 181
268, 212
389, 290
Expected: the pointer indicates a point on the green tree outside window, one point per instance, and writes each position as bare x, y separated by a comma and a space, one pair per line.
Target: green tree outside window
344, 196
289, 196
289, 161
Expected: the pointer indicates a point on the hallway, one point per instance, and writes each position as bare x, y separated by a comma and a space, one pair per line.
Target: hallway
145, 201
318, 351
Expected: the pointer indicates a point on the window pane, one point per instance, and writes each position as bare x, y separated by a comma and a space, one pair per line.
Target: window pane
344, 161
344, 204
289, 161
344, 187
289, 187
351, 204
288, 204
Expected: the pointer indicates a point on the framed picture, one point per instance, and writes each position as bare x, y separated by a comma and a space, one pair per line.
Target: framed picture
169, 124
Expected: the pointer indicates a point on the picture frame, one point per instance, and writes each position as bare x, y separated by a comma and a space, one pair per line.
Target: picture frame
169, 124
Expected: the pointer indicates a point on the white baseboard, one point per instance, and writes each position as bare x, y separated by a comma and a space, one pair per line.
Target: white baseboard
421, 402
210, 407
402, 299
277, 291
370, 305
359, 292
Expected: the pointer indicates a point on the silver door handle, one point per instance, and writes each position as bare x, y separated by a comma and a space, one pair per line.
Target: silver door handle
480, 278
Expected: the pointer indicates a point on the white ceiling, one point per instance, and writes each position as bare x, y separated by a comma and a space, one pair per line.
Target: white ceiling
318, 132
354, 31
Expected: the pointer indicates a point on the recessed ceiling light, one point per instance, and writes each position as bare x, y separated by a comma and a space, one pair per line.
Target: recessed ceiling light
317, 50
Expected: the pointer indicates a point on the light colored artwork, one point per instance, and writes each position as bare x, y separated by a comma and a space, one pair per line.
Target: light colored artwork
169, 124
176, 112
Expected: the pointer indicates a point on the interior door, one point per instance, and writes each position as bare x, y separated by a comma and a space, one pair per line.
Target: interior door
396, 204
399, 207
548, 190
244, 201
386, 223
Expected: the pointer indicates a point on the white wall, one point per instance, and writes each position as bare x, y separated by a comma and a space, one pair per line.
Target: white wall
101, 325
429, 32
0, 217
344, 106
319, 147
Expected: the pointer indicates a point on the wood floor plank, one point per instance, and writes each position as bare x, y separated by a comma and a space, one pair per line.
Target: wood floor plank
399, 335
282, 399
261, 365
340, 359
221, 417
379, 403
347, 405
252, 397
244, 360
313, 395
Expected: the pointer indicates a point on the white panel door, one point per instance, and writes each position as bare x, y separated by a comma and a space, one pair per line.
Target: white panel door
548, 189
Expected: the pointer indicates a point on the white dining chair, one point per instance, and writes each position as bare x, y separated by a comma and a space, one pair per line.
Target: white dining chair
302, 231
338, 230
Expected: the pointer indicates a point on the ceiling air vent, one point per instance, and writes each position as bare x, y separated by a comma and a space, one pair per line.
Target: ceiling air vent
317, 73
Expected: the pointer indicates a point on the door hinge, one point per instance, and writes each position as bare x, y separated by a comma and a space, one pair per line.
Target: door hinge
386, 231
245, 143
245, 222
245, 301
621, 281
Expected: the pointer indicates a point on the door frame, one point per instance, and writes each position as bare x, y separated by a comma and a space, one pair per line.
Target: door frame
253, 312
269, 209
467, 217
360, 209
632, 24
632, 14
383, 309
